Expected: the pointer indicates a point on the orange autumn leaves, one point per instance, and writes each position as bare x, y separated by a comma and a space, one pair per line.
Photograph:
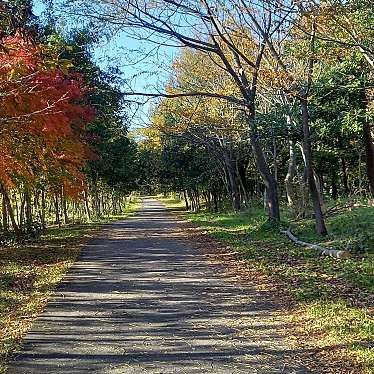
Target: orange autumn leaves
43, 114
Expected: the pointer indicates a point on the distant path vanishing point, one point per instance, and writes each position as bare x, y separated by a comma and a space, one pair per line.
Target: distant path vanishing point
142, 300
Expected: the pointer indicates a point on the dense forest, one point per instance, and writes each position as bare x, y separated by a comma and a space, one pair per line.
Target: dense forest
270, 102
65, 153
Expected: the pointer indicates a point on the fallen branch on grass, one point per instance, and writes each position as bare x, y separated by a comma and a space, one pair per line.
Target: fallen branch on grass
323, 250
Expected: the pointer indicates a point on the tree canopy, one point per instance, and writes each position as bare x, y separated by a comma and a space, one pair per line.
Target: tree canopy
269, 101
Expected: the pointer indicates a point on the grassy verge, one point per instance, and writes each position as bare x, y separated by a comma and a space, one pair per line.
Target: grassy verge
30, 272
332, 299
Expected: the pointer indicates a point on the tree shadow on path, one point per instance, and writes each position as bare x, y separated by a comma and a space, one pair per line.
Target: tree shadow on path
141, 301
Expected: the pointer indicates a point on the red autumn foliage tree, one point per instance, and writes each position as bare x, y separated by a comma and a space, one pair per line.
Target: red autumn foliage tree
43, 114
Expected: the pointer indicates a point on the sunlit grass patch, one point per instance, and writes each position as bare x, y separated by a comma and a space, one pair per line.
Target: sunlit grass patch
352, 229
27, 277
340, 332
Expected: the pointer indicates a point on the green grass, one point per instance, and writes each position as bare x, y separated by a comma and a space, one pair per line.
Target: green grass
334, 297
30, 272
352, 229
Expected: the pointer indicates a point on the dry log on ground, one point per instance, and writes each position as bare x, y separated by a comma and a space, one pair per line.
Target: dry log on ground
323, 250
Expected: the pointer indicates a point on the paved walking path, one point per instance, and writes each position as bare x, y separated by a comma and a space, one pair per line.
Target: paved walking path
142, 300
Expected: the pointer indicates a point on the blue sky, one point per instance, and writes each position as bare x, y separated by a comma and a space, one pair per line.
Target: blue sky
142, 74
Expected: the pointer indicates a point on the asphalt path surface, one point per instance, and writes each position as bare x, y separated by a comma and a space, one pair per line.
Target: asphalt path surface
141, 299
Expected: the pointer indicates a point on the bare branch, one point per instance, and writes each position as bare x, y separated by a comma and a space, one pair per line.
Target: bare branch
232, 99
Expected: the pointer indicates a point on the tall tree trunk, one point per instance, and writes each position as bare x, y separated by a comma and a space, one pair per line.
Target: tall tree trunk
186, 200
197, 197
313, 190
86, 206
4, 215
319, 185
18, 219
36, 203
234, 190
369, 150
305, 195
215, 199
268, 179
345, 177
291, 174
9, 209
192, 200
64, 210
21, 211
43, 208
57, 211
359, 172
275, 161
334, 185
64, 207
28, 209
206, 198
242, 186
